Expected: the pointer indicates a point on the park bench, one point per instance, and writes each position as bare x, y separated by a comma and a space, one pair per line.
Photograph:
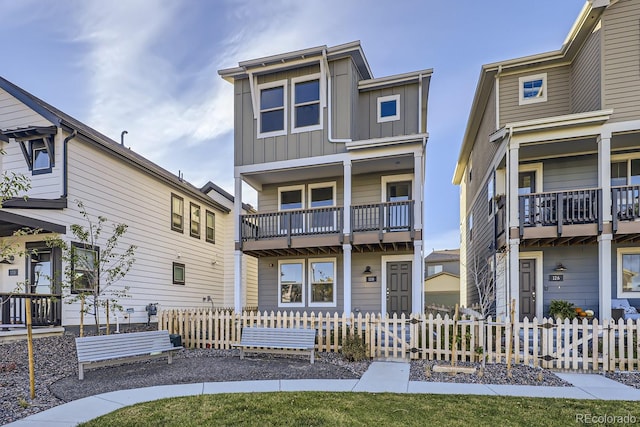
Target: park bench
278, 340
104, 350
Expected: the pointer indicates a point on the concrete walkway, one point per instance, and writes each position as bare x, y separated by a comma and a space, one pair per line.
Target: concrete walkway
392, 377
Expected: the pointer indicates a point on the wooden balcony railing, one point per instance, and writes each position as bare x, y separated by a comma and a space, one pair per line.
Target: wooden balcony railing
561, 208
46, 309
302, 222
390, 216
626, 204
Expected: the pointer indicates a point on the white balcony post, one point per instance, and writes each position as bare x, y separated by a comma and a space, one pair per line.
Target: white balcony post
604, 174
237, 276
346, 205
512, 188
346, 278
417, 190
417, 297
604, 276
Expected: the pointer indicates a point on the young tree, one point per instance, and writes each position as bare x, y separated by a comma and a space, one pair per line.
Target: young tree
93, 264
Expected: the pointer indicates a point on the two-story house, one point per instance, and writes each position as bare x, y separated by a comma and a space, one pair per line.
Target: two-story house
549, 170
337, 158
442, 278
183, 234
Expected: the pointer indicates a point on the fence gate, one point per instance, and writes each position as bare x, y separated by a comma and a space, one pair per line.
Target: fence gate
392, 337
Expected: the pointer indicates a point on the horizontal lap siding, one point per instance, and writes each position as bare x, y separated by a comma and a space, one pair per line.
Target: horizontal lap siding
621, 58
366, 296
14, 114
585, 76
570, 173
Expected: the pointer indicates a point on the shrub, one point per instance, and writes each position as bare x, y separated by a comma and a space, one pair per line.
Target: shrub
354, 348
560, 309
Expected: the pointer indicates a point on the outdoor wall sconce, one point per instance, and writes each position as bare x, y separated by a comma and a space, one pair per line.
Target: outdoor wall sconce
8, 260
560, 267
367, 270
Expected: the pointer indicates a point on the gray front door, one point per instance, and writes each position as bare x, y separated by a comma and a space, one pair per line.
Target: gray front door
527, 288
399, 287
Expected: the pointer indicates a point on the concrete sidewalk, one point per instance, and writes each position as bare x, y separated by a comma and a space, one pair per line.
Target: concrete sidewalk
392, 377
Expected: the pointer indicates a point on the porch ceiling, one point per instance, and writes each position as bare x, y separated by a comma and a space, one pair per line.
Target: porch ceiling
550, 149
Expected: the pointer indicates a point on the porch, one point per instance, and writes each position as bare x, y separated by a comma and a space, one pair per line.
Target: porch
46, 310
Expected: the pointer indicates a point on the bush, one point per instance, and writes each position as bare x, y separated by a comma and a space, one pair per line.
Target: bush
560, 309
354, 348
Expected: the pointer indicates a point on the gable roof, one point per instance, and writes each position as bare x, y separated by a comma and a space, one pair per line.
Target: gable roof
98, 140
210, 186
443, 256
581, 29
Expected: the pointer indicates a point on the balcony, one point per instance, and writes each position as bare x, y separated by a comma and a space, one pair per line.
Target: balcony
46, 310
626, 209
320, 230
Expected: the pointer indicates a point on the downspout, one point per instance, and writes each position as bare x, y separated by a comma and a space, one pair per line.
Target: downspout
328, 73
65, 173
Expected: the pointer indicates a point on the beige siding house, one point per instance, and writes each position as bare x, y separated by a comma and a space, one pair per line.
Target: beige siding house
549, 170
182, 233
337, 158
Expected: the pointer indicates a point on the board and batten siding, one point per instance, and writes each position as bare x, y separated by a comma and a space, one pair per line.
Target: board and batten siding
621, 59
124, 194
344, 95
558, 96
14, 114
407, 124
586, 91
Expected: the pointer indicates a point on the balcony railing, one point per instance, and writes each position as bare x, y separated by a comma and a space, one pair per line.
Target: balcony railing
390, 216
560, 208
46, 309
381, 217
302, 222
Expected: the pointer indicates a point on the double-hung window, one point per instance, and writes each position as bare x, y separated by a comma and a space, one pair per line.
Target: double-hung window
210, 226
291, 283
491, 190
322, 284
628, 272
272, 120
194, 219
85, 268
306, 112
177, 213
179, 271
312, 280
323, 195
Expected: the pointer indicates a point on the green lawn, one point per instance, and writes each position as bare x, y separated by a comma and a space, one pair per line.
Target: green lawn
363, 409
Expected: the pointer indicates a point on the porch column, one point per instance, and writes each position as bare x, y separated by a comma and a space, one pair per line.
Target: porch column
346, 278
604, 276
417, 190
237, 270
604, 174
512, 187
513, 267
346, 205
417, 295
503, 307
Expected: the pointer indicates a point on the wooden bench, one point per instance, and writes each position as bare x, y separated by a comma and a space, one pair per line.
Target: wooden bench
104, 350
278, 340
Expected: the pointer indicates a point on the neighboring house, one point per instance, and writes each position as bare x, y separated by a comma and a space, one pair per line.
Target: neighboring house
337, 158
442, 278
549, 170
183, 234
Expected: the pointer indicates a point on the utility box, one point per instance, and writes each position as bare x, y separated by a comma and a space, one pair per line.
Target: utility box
176, 340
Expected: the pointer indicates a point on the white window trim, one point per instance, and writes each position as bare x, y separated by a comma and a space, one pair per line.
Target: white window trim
522, 80
303, 285
260, 87
310, 187
626, 157
335, 282
386, 179
533, 167
321, 101
291, 188
382, 99
391, 258
620, 252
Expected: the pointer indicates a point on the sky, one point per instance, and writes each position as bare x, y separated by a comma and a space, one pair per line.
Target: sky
150, 67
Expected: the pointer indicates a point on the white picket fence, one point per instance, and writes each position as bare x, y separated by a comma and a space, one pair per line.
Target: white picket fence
578, 345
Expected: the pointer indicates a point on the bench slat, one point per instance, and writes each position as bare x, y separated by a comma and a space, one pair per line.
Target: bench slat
278, 340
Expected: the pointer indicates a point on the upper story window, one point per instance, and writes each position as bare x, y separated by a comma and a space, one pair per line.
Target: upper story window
532, 89
625, 172
388, 108
177, 213
194, 219
470, 223
306, 110
40, 155
491, 189
272, 120
434, 269
210, 227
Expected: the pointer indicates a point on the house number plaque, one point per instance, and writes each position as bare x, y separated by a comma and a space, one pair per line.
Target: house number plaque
372, 279
556, 278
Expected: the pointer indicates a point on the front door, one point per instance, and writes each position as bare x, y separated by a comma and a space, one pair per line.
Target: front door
527, 289
399, 288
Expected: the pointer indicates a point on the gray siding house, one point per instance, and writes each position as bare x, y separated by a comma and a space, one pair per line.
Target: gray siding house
549, 170
337, 158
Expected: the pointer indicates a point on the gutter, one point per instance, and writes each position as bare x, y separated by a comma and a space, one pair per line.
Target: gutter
65, 164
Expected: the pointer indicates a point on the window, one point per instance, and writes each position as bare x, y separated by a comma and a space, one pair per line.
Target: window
388, 108
491, 190
532, 89
322, 195
291, 198
322, 273
291, 283
434, 269
471, 227
272, 120
194, 219
306, 112
85, 267
178, 273
40, 157
210, 227
177, 213
625, 172
629, 272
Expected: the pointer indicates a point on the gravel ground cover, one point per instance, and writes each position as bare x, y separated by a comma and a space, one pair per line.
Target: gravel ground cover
57, 374
632, 379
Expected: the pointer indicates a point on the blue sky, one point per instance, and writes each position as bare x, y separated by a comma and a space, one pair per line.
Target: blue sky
150, 67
